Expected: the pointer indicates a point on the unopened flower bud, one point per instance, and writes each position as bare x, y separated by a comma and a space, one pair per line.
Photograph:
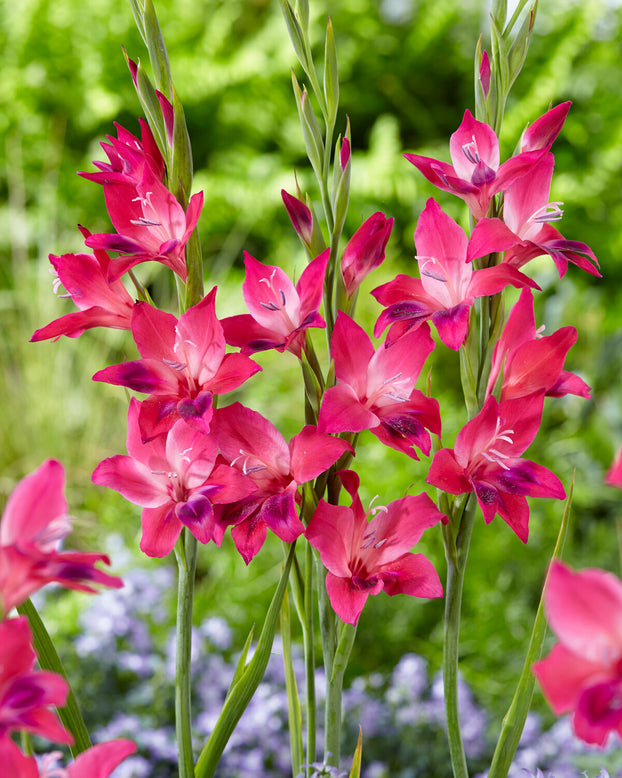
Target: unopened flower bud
365, 250
301, 216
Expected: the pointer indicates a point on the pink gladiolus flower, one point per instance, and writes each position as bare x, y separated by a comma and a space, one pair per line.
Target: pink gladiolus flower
531, 363
280, 313
475, 174
102, 303
376, 389
183, 364
96, 762
365, 556
258, 450
128, 157
486, 460
176, 481
33, 524
583, 672
150, 223
26, 694
365, 250
448, 284
526, 230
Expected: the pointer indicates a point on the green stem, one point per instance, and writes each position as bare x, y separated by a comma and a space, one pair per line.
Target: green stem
48, 659
456, 567
186, 553
334, 689
309, 653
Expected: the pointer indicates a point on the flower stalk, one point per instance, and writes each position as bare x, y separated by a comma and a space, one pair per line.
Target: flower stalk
186, 554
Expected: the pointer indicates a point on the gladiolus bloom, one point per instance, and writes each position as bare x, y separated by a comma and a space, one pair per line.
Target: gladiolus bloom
33, 524
376, 391
531, 363
102, 303
280, 313
366, 557
176, 481
583, 672
183, 365
475, 174
448, 284
526, 231
486, 459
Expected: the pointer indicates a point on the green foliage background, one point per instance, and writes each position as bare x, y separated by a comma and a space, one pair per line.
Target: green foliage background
406, 78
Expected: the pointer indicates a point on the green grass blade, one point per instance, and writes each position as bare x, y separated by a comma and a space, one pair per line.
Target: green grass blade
70, 715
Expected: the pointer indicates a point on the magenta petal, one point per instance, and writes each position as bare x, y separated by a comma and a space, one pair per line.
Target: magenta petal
36, 501
198, 515
541, 133
234, 370
197, 412
347, 600
279, 513
352, 350
341, 411
313, 452
452, 325
598, 712
330, 531
161, 528
74, 324
562, 675
447, 474
142, 375
411, 574
249, 536
490, 235
100, 760
131, 479
584, 610
154, 332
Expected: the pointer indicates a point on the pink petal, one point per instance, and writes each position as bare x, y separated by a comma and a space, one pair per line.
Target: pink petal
342, 411
347, 601
279, 513
313, 452
412, 574
471, 132
331, 531
563, 675
132, 479
584, 610
249, 536
452, 325
311, 284
542, 133
36, 502
100, 760
154, 332
271, 297
161, 528
352, 350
